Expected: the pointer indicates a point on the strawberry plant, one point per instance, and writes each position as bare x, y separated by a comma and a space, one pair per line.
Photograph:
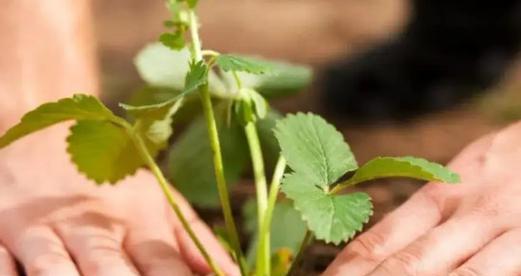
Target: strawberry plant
312, 164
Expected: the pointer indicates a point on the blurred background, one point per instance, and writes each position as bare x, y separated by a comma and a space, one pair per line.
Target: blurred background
323, 34
312, 32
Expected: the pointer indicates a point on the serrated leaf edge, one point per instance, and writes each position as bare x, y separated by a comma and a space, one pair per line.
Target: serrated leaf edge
306, 219
266, 70
339, 135
99, 182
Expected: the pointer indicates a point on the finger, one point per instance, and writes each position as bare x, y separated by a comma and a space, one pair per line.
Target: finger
96, 245
7, 263
500, 257
155, 253
394, 232
42, 253
188, 249
443, 248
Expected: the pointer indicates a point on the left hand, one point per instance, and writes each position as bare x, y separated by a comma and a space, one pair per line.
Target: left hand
56, 222
473, 228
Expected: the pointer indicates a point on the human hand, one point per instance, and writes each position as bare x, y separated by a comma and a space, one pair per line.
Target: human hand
57, 223
473, 228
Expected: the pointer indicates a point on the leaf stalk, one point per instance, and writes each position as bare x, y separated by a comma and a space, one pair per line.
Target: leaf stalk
265, 229
215, 145
165, 187
261, 189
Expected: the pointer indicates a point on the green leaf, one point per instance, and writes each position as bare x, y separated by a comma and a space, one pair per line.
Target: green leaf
190, 161
260, 104
173, 6
244, 112
195, 78
192, 3
149, 95
287, 227
314, 148
156, 118
157, 130
270, 145
79, 107
174, 41
384, 167
242, 64
103, 151
190, 165
285, 79
332, 218
169, 24
159, 66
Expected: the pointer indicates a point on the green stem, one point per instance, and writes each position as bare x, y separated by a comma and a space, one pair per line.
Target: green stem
263, 251
194, 33
219, 175
308, 238
264, 234
337, 189
274, 191
216, 150
165, 187
341, 186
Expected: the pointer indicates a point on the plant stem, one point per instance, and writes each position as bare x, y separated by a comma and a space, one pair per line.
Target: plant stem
216, 150
263, 251
338, 188
219, 175
165, 187
274, 191
194, 33
264, 233
308, 238
341, 186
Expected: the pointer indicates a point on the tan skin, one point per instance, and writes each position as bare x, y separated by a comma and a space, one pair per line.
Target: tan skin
53, 220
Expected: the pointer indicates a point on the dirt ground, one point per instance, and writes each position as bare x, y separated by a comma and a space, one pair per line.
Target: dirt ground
311, 32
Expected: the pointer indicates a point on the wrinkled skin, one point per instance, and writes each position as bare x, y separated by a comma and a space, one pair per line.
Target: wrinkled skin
51, 215
473, 228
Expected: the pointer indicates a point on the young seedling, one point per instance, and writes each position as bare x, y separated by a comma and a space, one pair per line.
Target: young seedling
107, 148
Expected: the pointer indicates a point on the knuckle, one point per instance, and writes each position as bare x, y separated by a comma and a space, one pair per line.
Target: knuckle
370, 246
103, 263
466, 271
434, 195
100, 252
403, 263
165, 265
487, 206
47, 262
